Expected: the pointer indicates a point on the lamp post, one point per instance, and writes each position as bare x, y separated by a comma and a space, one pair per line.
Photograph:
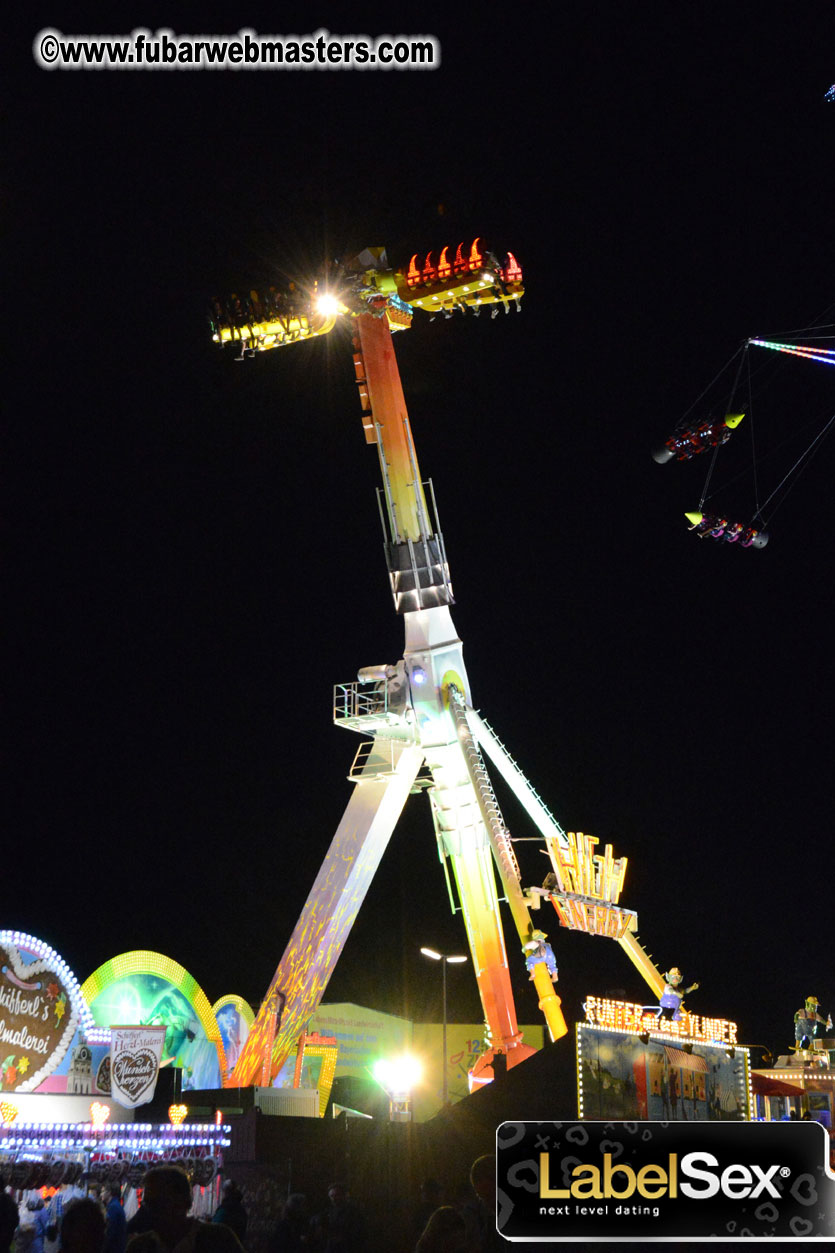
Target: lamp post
444, 959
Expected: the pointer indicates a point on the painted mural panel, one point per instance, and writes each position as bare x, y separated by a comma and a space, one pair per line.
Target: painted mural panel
623, 1078
148, 1000
234, 1018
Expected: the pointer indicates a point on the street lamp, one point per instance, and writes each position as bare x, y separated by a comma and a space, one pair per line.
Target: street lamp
444, 959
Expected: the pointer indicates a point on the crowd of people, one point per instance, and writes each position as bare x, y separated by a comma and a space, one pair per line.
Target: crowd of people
164, 1222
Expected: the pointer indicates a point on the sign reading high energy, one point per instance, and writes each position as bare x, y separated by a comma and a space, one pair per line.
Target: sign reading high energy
587, 886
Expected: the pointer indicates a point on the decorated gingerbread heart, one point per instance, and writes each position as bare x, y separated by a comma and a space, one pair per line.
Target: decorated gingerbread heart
134, 1071
38, 1020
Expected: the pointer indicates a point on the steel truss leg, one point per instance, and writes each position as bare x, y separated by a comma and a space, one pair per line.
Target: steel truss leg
506, 863
329, 912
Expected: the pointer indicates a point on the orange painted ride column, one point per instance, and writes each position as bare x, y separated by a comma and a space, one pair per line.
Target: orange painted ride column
401, 477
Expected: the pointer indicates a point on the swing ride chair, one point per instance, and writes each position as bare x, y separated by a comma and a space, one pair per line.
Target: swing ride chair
418, 711
689, 440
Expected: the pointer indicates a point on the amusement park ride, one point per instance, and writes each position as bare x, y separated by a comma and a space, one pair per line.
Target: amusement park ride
419, 710
690, 439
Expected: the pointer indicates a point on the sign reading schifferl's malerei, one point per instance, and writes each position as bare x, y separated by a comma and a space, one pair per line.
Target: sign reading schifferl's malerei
135, 1055
37, 1019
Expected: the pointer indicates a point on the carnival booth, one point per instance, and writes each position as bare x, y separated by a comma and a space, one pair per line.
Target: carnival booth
801, 1084
634, 1064
71, 1082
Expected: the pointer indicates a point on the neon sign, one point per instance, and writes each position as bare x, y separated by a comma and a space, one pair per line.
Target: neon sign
588, 887
591, 916
640, 1019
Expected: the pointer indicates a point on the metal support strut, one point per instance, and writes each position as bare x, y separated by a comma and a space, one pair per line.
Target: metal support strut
505, 859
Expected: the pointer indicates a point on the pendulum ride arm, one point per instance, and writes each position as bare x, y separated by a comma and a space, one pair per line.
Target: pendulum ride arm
464, 845
408, 516
422, 593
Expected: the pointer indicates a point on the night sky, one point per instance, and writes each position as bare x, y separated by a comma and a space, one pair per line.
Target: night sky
192, 550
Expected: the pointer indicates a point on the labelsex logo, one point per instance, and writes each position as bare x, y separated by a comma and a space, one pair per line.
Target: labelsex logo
651, 1181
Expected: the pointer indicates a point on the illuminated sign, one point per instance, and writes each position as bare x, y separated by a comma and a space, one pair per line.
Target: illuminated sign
641, 1019
135, 1138
39, 1012
585, 915
588, 886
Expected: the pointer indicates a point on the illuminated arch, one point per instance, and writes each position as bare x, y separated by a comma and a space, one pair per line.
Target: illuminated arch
243, 1007
233, 1042
145, 962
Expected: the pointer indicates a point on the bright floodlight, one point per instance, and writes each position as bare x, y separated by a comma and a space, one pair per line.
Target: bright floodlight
397, 1075
456, 959
327, 305
430, 952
